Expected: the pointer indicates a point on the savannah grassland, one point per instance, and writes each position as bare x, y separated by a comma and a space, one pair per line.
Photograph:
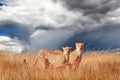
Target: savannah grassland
100, 66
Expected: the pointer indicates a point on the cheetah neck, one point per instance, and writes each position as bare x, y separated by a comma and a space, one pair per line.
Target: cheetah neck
66, 57
79, 51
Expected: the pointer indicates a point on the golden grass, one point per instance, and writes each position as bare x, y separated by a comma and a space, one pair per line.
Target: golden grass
100, 66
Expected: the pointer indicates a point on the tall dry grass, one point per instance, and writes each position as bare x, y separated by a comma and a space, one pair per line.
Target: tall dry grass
100, 66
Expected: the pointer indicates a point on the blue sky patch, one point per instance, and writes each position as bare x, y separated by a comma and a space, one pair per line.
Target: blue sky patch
13, 30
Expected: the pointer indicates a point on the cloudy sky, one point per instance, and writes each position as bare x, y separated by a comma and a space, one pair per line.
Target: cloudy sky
55, 23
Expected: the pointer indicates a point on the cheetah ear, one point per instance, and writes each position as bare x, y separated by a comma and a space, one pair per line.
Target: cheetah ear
76, 42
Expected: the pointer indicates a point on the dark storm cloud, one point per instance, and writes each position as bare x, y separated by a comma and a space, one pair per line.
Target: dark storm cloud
94, 9
100, 10
103, 38
92, 6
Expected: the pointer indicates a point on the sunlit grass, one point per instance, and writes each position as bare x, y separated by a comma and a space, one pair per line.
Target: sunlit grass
100, 66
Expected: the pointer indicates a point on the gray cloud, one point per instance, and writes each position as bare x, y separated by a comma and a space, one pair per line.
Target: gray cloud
84, 4
92, 6
95, 9
44, 28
